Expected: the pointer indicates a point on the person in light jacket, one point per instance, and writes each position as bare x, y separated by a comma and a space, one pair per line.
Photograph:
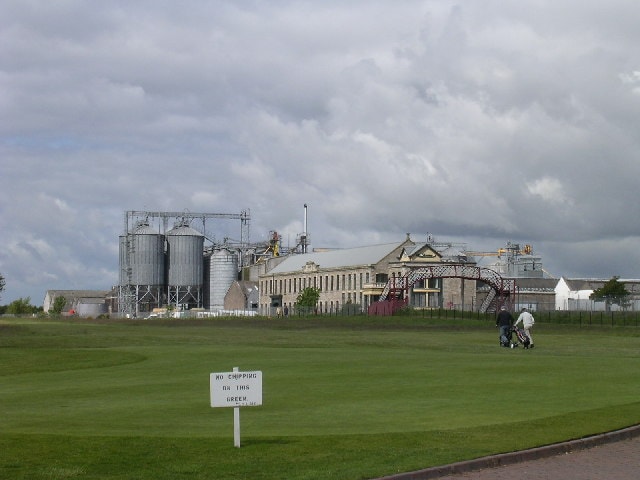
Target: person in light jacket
527, 324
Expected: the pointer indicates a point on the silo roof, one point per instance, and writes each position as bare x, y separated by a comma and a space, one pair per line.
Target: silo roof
145, 230
185, 231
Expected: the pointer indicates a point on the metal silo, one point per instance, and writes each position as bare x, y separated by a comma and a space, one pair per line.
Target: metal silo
147, 256
142, 267
91, 309
185, 266
223, 272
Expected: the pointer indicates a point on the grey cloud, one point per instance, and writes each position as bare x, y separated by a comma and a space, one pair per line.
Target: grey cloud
491, 122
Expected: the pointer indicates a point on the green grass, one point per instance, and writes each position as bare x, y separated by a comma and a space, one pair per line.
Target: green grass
343, 398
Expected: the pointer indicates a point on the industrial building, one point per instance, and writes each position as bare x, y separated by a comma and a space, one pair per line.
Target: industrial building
355, 278
534, 287
170, 262
86, 303
179, 268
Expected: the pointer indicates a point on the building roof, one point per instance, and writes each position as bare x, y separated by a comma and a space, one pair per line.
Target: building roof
347, 257
77, 294
247, 286
91, 300
450, 251
419, 253
532, 283
578, 284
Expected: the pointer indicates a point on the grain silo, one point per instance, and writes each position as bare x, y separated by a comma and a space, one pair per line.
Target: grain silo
142, 267
184, 266
223, 271
172, 259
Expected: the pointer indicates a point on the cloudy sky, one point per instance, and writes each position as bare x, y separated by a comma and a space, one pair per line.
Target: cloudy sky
475, 122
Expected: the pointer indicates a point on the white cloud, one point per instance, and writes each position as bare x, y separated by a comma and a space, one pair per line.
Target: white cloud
630, 78
550, 190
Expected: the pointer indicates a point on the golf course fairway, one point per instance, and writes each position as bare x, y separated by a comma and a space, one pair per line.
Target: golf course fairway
343, 397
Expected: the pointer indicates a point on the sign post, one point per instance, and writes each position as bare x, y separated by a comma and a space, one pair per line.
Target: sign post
236, 389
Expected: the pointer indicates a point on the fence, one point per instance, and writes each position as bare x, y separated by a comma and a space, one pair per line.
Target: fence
580, 318
615, 318
601, 306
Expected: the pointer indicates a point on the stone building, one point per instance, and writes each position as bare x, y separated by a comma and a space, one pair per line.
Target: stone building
536, 294
242, 295
353, 278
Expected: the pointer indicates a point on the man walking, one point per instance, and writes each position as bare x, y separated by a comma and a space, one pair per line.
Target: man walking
504, 321
527, 323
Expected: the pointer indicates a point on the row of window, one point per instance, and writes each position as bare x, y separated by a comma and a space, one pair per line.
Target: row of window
329, 283
332, 283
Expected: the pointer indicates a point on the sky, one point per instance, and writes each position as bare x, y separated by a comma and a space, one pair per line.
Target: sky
474, 122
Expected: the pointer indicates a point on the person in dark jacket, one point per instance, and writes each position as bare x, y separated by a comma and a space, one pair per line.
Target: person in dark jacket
504, 320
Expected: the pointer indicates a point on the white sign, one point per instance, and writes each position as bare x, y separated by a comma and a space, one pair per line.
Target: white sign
236, 389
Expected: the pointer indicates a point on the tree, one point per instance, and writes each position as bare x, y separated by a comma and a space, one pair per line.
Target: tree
58, 305
2, 283
21, 306
308, 298
612, 292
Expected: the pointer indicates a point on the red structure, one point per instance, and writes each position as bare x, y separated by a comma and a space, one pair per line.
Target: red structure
395, 294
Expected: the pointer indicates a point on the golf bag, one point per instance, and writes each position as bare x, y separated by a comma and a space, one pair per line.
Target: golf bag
522, 336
